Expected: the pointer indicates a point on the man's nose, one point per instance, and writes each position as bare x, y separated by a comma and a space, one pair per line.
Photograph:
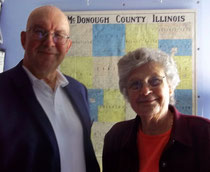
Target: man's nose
49, 39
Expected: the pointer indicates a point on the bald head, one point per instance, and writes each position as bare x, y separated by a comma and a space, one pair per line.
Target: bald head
45, 13
43, 55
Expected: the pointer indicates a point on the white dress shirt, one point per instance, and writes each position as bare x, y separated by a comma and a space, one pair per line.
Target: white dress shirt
64, 120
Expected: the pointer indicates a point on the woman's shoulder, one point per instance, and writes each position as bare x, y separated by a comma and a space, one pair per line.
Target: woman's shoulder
198, 126
123, 129
196, 120
192, 121
123, 125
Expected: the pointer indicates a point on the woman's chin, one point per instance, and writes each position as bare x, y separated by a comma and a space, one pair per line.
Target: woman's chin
148, 109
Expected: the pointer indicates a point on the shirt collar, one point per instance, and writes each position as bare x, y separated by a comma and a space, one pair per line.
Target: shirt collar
61, 79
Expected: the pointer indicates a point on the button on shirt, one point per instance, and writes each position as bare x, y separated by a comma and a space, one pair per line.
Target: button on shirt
64, 120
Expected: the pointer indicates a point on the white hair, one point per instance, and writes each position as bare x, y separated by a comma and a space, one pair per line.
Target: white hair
140, 56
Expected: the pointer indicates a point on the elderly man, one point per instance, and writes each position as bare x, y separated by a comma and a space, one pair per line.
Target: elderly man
44, 115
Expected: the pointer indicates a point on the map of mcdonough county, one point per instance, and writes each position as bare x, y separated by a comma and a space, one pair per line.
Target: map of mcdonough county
101, 38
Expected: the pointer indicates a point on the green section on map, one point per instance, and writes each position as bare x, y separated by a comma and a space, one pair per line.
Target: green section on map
113, 109
80, 68
141, 35
184, 65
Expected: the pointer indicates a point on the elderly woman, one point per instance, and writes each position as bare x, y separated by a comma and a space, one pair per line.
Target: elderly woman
160, 138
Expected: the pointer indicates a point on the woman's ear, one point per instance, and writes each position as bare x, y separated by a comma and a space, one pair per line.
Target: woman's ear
171, 91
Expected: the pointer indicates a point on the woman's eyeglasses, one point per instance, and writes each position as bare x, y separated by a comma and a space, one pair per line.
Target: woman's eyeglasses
152, 82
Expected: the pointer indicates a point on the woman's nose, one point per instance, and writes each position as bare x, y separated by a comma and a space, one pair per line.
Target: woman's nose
145, 90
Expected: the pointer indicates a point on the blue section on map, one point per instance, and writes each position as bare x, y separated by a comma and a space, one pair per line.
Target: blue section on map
96, 98
184, 46
108, 40
184, 101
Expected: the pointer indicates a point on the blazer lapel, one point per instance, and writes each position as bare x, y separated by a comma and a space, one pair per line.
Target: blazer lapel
25, 90
77, 100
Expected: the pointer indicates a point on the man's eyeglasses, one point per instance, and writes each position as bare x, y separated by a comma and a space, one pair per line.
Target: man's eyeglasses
153, 82
41, 34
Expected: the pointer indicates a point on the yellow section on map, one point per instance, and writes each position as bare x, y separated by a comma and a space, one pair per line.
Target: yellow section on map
184, 65
80, 68
113, 109
141, 35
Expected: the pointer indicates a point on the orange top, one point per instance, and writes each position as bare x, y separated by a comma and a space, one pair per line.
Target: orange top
150, 148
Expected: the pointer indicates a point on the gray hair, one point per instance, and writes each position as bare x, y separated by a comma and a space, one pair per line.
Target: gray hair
140, 56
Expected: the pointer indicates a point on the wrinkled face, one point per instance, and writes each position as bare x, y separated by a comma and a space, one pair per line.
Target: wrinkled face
148, 90
42, 57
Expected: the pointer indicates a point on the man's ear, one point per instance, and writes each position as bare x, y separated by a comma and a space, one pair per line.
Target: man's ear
23, 39
69, 45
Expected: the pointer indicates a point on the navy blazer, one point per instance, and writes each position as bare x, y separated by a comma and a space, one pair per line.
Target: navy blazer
27, 139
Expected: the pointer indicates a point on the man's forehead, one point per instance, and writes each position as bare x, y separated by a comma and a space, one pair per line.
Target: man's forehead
46, 14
